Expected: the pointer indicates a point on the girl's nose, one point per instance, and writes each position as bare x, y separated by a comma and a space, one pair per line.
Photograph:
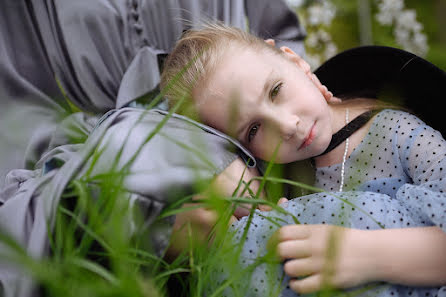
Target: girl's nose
287, 126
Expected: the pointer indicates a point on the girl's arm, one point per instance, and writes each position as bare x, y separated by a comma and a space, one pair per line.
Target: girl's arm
412, 256
344, 257
198, 223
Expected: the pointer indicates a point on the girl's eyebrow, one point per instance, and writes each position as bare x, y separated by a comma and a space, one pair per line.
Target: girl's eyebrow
265, 90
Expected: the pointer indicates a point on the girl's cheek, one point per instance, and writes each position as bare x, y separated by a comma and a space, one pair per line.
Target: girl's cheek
259, 148
267, 147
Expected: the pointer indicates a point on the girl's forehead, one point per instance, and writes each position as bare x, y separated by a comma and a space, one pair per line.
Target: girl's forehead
247, 49
243, 58
239, 68
251, 64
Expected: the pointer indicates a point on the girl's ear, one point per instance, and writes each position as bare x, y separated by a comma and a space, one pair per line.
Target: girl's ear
302, 64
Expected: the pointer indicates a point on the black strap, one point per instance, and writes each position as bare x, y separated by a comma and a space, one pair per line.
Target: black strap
349, 129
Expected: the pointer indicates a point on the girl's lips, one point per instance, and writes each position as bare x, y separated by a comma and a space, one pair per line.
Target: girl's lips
309, 139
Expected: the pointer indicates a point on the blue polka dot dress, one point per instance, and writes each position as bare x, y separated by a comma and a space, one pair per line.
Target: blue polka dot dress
401, 157
393, 179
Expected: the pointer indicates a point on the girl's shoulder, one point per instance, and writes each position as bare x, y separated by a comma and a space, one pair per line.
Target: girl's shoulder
404, 125
397, 118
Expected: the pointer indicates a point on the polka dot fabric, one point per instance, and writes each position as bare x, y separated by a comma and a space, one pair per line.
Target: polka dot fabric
401, 157
360, 210
394, 179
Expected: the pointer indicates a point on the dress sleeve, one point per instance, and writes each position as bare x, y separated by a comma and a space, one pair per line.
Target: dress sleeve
422, 152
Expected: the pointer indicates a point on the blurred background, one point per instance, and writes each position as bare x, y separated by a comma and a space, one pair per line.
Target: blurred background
335, 25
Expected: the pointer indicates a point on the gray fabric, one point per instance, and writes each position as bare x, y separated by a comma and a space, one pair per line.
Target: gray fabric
274, 19
103, 53
162, 165
100, 55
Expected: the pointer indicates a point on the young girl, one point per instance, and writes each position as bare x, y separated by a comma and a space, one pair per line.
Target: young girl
270, 101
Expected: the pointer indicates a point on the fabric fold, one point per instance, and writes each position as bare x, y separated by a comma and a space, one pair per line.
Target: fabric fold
141, 76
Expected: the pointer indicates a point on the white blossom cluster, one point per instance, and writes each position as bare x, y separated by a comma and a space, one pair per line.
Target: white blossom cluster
407, 30
326, 48
321, 13
295, 3
318, 17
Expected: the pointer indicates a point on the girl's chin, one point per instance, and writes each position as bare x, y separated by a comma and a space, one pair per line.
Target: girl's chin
291, 159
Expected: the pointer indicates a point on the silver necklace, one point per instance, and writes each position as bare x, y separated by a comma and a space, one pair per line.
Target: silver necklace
344, 157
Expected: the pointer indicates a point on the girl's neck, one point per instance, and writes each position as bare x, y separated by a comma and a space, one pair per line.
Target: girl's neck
355, 107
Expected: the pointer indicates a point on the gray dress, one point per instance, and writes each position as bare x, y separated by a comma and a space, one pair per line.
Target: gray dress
156, 165
93, 56
100, 54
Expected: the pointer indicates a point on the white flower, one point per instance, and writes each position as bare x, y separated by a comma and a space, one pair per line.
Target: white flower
391, 6
315, 15
321, 14
295, 3
420, 39
385, 17
312, 40
401, 34
420, 42
407, 30
330, 50
329, 12
407, 18
389, 10
323, 36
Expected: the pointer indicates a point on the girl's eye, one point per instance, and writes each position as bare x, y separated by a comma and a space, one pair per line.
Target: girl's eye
275, 91
252, 132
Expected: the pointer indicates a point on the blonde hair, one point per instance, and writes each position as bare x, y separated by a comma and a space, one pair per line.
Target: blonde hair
196, 56
199, 52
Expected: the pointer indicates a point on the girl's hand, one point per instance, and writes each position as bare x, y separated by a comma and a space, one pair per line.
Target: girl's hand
264, 207
320, 255
193, 227
270, 41
245, 209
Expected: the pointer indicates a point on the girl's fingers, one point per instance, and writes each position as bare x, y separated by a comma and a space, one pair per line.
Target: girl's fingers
301, 267
293, 232
316, 80
270, 42
292, 249
242, 210
282, 200
324, 90
207, 217
333, 99
306, 285
264, 207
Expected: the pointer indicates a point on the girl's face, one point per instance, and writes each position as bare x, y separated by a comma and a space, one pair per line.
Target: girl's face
266, 100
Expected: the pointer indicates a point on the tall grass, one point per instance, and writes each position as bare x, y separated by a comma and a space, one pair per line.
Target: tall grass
101, 244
